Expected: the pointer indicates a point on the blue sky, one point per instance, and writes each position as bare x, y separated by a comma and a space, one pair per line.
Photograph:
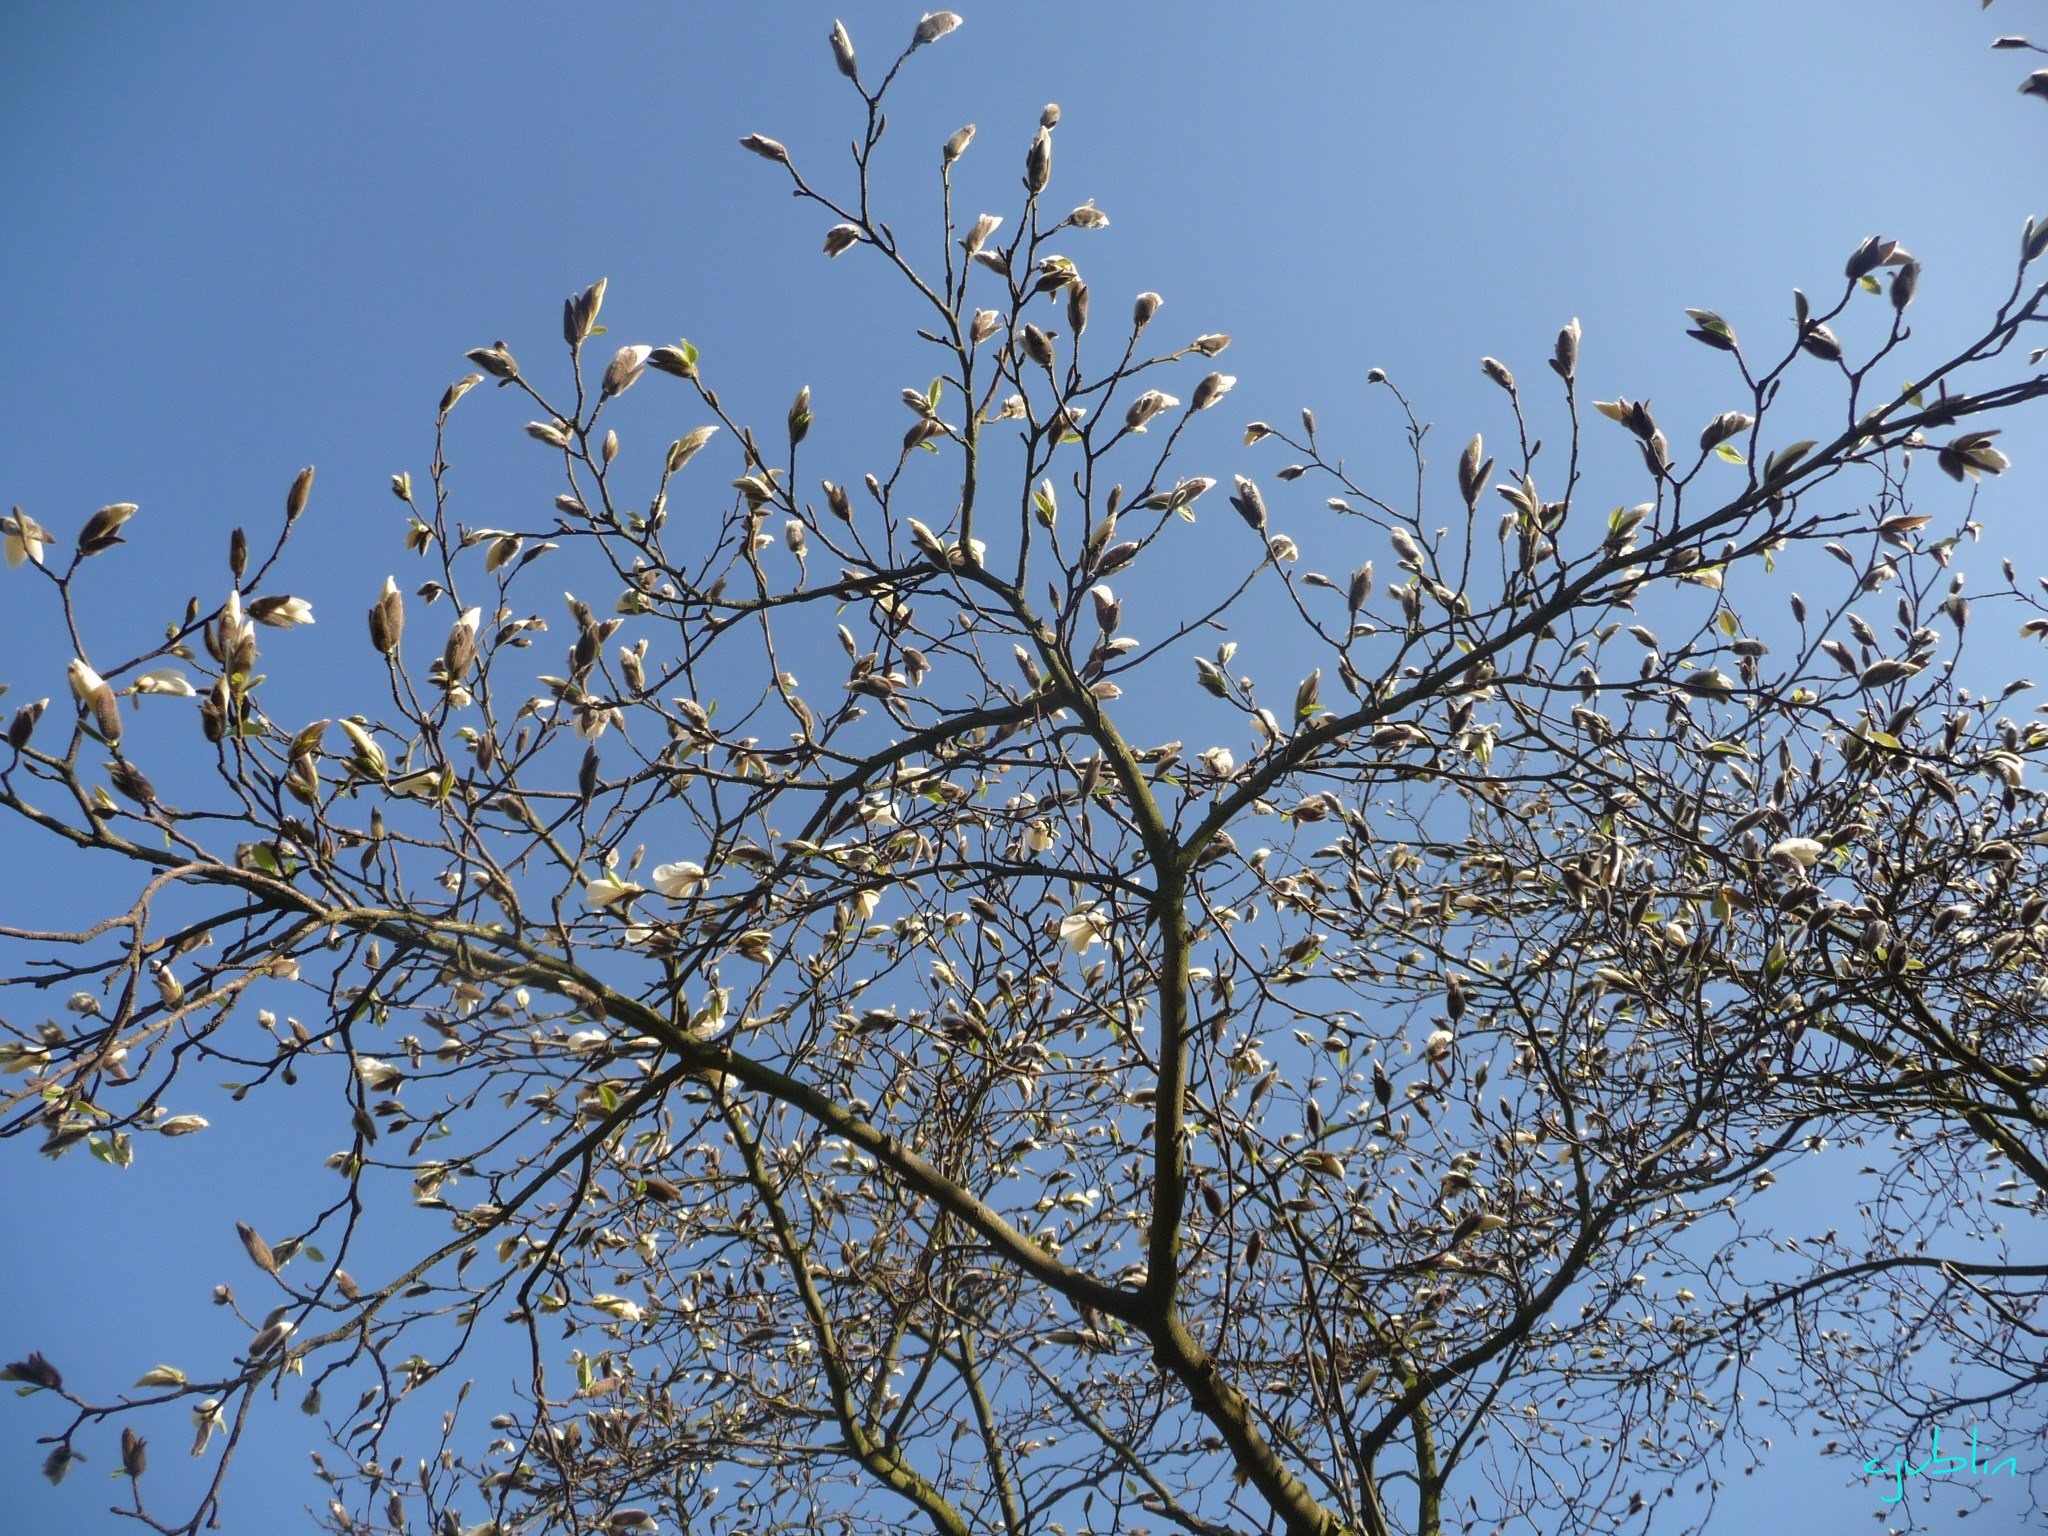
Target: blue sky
243, 239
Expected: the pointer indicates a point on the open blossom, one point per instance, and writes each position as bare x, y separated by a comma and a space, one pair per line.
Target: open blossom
166, 680
1803, 851
679, 879
1082, 930
25, 538
608, 889
378, 1075
206, 1418
281, 612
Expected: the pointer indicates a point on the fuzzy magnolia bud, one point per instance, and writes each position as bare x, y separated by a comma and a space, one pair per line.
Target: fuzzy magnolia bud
496, 361
1144, 309
579, 313
1251, 506
1565, 360
627, 364
295, 500
23, 725
1904, 282
842, 52
460, 652
932, 26
387, 619
956, 146
1038, 162
841, 238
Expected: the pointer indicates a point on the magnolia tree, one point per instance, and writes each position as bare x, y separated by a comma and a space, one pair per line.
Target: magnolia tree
877, 1077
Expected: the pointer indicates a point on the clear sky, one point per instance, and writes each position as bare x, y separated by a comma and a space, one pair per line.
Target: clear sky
240, 239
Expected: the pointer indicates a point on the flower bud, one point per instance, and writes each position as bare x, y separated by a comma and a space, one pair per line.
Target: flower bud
842, 52
295, 500
932, 26
102, 529
627, 364
23, 725
977, 237
459, 653
369, 759
496, 361
1038, 162
387, 619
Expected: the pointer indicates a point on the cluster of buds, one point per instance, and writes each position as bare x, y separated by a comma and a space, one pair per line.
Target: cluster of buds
231, 638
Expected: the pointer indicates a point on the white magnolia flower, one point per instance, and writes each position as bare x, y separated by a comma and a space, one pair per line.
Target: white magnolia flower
1219, 761
978, 236
1803, 851
206, 1418
1041, 834
1083, 929
678, 880
84, 681
25, 538
617, 1306
166, 680
284, 615
181, 1125
607, 889
585, 1041
1282, 549
378, 1075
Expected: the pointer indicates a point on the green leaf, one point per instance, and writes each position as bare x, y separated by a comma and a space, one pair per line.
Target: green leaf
1868, 284
1731, 453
